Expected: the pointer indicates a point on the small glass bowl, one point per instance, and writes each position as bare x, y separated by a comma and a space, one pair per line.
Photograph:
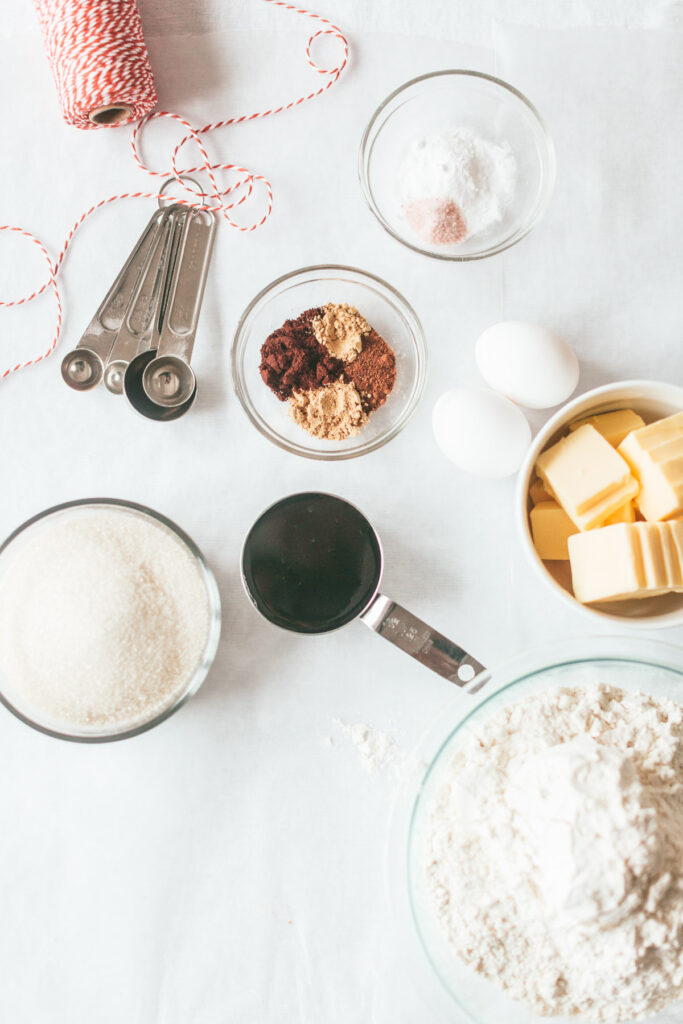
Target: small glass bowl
449, 99
645, 666
28, 714
384, 309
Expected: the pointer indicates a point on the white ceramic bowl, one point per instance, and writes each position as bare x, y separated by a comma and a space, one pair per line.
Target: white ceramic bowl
653, 400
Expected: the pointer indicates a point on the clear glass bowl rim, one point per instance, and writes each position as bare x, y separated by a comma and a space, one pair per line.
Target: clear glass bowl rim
609, 648
507, 243
212, 639
417, 334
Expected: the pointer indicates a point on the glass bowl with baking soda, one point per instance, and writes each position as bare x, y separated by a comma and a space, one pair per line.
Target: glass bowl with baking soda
329, 362
109, 620
457, 165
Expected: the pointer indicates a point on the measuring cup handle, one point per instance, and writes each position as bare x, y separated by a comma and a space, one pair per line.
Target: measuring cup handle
415, 637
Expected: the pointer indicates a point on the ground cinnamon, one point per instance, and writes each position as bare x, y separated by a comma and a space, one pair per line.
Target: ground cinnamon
373, 371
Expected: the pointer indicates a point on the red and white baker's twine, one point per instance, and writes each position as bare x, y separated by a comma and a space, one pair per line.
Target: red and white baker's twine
91, 80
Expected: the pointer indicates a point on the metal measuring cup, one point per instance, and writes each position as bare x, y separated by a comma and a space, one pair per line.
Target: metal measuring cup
140, 327
160, 384
312, 563
83, 367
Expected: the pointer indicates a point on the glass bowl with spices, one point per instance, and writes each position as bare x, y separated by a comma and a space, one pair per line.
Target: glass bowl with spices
457, 165
329, 362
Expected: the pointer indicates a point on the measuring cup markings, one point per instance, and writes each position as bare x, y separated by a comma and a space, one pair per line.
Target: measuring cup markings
312, 563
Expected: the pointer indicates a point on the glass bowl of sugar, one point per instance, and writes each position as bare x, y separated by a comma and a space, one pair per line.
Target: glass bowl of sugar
109, 620
457, 165
281, 322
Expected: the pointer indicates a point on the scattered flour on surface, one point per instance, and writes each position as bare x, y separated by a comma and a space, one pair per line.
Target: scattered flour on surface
380, 751
555, 852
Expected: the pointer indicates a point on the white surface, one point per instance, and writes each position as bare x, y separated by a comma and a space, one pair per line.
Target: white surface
230, 866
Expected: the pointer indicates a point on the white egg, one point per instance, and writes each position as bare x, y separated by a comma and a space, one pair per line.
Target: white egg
481, 432
527, 363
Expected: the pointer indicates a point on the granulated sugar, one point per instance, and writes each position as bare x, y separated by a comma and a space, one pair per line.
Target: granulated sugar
104, 617
555, 852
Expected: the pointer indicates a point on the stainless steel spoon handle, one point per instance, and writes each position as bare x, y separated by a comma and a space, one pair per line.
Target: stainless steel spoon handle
102, 329
415, 637
141, 321
187, 288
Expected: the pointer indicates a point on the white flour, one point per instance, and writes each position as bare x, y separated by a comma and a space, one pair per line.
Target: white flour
555, 854
375, 748
103, 619
476, 175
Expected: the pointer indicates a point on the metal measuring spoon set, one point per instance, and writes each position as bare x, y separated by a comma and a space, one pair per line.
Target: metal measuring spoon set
140, 341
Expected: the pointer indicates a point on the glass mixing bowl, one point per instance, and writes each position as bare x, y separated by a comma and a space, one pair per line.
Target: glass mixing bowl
448, 99
651, 667
383, 307
29, 715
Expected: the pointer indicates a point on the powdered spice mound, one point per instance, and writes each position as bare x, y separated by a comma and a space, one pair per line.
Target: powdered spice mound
293, 360
332, 413
340, 329
373, 371
438, 221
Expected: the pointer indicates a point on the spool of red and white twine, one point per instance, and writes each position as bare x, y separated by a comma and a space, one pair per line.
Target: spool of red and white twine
103, 78
99, 60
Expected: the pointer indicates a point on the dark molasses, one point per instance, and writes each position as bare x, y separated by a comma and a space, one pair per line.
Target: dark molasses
311, 563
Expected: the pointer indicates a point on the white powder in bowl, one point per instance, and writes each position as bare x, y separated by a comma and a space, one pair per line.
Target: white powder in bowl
456, 184
104, 617
555, 853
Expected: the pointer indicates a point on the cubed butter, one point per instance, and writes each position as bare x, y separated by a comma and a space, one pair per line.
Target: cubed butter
672, 548
551, 527
588, 478
624, 561
625, 514
655, 455
538, 493
614, 426
655, 568
606, 564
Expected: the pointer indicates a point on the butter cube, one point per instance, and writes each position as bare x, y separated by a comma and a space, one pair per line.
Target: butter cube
655, 455
538, 493
628, 560
551, 527
672, 548
607, 564
588, 478
655, 568
614, 426
625, 514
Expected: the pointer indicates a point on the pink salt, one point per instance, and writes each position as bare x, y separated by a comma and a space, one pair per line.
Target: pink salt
438, 221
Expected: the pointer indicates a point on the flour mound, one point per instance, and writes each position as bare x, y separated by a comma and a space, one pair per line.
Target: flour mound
555, 852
